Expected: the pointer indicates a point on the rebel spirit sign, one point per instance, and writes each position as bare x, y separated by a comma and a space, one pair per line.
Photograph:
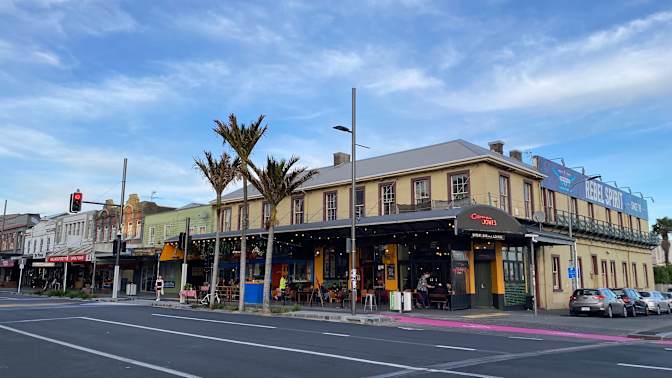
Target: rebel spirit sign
484, 219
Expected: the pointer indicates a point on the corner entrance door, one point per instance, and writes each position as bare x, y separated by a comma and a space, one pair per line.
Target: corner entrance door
483, 284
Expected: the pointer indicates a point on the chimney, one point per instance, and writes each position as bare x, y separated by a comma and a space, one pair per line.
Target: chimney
109, 203
341, 158
497, 146
516, 154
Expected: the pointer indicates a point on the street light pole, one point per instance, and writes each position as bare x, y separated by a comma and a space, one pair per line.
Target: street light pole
575, 259
115, 285
353, 232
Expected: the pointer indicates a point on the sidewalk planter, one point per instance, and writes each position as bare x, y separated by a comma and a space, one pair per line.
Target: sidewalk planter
254, 293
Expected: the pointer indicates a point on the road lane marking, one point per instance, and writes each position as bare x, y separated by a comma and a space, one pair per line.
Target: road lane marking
335, 334
525, 338
12, 305
646, 367
39, 320
668, 349
410, 329
294, 350
455, 347
215, 321
102, 354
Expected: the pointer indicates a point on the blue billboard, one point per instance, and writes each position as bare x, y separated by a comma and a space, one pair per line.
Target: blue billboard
562, 179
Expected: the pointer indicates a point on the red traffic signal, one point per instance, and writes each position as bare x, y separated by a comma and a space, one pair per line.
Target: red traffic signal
76, 202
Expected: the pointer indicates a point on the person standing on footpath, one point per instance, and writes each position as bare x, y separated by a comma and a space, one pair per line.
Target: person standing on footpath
423, 291
158, 286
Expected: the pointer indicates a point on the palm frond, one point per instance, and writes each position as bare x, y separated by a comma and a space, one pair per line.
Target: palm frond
242, 138
219, 172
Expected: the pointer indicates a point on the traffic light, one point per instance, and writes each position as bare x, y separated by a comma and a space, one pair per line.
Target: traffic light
76, 202
183, 240
116, 249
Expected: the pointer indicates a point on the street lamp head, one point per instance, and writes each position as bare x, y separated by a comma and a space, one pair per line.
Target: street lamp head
595, 177
342, 128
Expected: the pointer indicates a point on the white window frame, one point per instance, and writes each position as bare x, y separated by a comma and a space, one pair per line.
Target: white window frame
387, 199
298, 213
421, 191
267, 213
504, 194
459, 186
330, 203
225, 213
152, 235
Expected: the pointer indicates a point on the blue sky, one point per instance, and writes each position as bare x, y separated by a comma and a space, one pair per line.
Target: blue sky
85, 83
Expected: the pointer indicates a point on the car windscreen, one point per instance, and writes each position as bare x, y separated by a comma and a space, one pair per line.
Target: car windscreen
588, 292
645, 294
632, 294
618, 291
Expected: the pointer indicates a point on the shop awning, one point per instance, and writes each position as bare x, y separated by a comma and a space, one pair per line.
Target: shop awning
548, 237
81, 254
172, 253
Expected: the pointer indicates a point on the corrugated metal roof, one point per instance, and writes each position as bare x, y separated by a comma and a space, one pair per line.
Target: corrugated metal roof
422, 157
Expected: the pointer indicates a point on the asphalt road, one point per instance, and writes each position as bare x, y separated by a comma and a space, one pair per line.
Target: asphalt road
61, 338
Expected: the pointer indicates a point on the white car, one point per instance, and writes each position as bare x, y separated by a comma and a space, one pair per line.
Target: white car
655, 302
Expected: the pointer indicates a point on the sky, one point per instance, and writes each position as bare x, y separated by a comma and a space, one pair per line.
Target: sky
84, 84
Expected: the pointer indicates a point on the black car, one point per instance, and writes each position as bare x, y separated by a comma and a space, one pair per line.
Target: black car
633, 301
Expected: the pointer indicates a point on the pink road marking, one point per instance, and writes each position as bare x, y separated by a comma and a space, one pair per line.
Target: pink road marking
497, 328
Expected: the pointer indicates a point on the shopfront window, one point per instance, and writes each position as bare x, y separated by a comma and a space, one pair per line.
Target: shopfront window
514, 268
335, 264
300, 271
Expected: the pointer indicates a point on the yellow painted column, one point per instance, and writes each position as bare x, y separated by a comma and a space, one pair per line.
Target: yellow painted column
319, 266
391, 259
497, 269
471, 280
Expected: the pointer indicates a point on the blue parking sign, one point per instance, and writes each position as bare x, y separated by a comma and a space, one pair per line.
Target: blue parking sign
571, 272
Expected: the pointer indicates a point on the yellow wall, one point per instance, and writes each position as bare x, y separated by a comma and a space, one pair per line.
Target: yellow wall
497, 269
391, 259
319, 266
471, 279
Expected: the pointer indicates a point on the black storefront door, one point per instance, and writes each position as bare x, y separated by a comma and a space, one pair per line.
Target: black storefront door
483, 284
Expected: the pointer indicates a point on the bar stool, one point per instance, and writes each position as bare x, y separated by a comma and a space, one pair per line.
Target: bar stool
370, 301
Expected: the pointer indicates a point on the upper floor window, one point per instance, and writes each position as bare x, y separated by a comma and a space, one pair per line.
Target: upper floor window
575, 207
504, 194
265, 214
130, 230
639, 225
225, 215
202, 229
167, 231
591, 210
27, 247
359, 203
557, 273
243, 218
330, 206
298, 210
459, 186
608, 215
620, 219
138, 228
152, 235
107, 234
41, 244
630, 222
527, 199
421, 190
387, 199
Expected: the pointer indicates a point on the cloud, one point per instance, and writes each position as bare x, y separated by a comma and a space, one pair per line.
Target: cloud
236, 26
603, 69
10, 52
405, 79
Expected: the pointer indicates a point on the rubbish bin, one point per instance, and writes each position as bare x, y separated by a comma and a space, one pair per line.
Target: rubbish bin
408, 301
395, 300
131, 289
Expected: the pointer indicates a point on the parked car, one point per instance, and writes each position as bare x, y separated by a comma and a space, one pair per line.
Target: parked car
596, 301
655, 302
668, 298
632, 300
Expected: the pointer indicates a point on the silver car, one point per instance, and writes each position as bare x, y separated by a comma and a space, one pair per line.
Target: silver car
668, 297
655, 302
596, 301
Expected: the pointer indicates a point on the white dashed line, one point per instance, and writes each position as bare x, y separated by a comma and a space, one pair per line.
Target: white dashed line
525, 338
646, 367
335, 334
215, 321
410, 329
455, 347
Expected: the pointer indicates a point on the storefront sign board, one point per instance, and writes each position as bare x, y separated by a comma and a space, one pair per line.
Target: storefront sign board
70, 258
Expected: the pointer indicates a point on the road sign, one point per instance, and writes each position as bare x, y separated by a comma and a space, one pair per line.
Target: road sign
571, 272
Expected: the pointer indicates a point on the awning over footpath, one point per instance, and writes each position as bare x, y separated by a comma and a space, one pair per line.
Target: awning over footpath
172, 253
81, 254
548, 237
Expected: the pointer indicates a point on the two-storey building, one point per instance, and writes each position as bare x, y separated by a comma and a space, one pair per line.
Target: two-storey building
467, 214
13, 228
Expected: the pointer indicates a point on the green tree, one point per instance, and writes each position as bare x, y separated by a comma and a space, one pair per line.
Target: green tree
663, 227
278, 180
219, 173
242, 139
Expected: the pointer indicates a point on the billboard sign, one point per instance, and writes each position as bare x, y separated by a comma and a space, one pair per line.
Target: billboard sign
563, 180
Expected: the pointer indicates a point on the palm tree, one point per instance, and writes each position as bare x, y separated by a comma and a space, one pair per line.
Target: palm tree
275, 182
242, 140
663, 227
219, 173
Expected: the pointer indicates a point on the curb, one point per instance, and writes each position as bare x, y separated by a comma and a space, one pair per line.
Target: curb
341, 318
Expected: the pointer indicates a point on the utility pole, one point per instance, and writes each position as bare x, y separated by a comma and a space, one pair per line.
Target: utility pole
183, 282
115, 285
353, 231
4, 215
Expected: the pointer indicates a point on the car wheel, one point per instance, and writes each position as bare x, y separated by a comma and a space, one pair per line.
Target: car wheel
634, 311
646, 311
625, 312
658, 310
610, 312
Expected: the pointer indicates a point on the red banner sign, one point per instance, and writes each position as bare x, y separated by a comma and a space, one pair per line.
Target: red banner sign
485, 220
72, 258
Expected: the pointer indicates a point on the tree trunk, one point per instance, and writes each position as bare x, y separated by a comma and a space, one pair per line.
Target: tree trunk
243, 244
268, 269
215, 262
665, 245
